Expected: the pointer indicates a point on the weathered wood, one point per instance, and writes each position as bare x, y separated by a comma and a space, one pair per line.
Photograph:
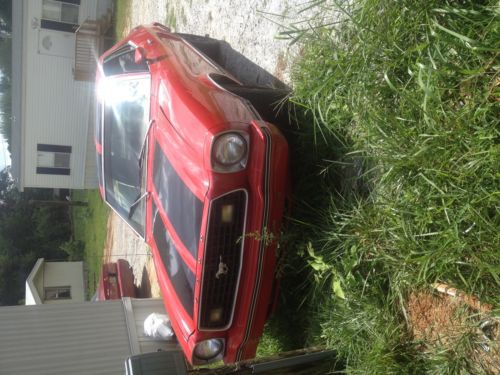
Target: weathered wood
86, 51
88, 46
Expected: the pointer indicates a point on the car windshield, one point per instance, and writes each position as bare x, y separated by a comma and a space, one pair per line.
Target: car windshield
126, 121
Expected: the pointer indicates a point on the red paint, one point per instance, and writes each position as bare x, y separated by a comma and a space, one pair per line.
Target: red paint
116, 281
189, 111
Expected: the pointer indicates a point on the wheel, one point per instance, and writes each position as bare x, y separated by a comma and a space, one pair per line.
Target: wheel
271, 103
206, 45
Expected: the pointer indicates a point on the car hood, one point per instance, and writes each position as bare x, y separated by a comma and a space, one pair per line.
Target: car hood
188, 97
191, 114
180, 198
184, 151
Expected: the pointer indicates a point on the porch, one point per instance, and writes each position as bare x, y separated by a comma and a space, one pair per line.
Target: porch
91, 42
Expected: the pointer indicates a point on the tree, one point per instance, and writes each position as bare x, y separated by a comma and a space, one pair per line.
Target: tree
6, 14
5, 89
5, 68
27, 232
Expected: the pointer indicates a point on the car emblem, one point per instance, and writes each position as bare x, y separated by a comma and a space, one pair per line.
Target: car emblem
223, 269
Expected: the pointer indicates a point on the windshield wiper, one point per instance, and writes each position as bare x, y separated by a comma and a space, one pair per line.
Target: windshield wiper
141, 196
144, 142
134, 205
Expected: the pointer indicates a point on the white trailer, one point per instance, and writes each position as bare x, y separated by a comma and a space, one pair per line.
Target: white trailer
77, 338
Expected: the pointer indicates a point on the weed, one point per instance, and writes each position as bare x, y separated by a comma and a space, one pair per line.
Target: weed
176, 17
121, 15
183, 16
171, 18
397, 182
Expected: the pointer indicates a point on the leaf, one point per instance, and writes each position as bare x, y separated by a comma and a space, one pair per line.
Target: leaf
337, 288
317, 262
319, 266
463, 38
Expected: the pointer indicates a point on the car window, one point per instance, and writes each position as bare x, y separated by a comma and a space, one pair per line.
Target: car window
179, 273
123, 61
183, 208
126, 119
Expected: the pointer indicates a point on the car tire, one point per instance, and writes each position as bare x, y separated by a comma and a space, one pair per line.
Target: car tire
206, 45
271, 103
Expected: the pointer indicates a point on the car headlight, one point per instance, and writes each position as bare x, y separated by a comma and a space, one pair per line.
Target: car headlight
229, 152
208, 350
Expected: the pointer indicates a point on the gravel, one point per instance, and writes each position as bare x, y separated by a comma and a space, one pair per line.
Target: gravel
252, 27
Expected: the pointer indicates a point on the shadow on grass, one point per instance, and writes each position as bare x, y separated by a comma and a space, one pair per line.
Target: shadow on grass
320, 168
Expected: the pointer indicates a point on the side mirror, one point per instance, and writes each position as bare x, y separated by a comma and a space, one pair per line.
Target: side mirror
140, 56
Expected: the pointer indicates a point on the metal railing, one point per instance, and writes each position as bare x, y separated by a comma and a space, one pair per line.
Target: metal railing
89, 43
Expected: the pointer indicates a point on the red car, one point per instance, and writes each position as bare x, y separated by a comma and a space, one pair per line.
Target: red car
186, 159
116, 281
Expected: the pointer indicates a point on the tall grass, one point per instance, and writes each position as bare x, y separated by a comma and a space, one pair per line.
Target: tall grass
121, 15
90, 227
399, 171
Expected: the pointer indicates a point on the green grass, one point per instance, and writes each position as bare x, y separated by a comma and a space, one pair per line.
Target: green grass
396, 174
171, 18
121, 14
90, 224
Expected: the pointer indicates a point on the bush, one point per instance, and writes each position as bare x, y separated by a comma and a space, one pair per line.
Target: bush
75, 249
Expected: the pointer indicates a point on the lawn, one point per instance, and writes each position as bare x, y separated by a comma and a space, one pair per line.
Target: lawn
89, 226
397, 184
121, 12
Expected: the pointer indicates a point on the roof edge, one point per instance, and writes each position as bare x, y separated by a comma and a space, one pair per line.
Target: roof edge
17, 83
32, 296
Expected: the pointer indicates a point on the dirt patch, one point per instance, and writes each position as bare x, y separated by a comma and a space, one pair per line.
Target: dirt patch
281, 66
154, 287
436, 319
440, 321
109, 240
123, 243
258, 28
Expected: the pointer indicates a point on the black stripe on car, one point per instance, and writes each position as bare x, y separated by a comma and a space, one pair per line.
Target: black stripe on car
183, 208
179, 273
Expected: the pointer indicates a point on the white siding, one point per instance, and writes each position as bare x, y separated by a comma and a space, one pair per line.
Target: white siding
77, 338
88, 9
64, 274
56, 106
87, 338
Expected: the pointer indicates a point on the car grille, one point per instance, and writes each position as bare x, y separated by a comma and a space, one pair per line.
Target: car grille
223, 252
